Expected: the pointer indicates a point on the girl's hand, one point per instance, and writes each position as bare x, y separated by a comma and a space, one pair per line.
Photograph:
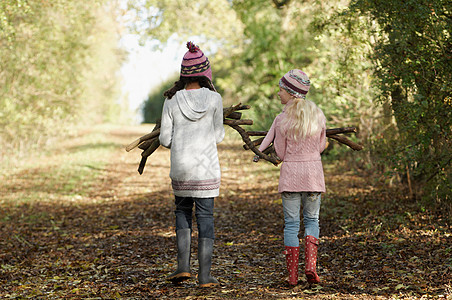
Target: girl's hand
256, 158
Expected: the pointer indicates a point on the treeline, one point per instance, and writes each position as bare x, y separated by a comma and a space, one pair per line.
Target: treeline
59, 63
384, 66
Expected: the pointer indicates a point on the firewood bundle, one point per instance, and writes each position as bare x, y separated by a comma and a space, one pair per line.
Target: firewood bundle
232, 117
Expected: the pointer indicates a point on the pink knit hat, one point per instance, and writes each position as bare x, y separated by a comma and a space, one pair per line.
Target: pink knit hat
195, 63
296, 83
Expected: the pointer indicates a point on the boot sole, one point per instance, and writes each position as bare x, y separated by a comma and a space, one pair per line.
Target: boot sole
311, 278
212, 284
179, 277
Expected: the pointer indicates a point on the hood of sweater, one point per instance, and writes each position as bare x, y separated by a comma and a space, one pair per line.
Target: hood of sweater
193, 103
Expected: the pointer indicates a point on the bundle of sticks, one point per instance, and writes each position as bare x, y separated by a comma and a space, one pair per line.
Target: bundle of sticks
233, 118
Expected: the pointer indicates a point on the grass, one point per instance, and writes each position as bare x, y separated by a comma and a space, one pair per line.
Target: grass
62, 171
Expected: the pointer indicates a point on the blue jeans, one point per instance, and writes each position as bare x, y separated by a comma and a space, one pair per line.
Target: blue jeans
203, 213
291, 206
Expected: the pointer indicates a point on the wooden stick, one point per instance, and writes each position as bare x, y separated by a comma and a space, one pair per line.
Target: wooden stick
237, 122
151, 148
255, 143
340, 130
247, 140
154, 133
150, 142
235, 115
269, 149
145, 154
227, 111
146, 144
241, 107
142, 164
342, 139
257, 133
330, 133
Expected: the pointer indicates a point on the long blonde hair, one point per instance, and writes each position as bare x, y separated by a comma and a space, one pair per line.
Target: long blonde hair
303, 119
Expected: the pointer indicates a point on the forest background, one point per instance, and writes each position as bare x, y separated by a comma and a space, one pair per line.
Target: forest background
382, 66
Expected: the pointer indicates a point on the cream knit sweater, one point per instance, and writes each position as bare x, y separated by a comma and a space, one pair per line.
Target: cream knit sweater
192, 126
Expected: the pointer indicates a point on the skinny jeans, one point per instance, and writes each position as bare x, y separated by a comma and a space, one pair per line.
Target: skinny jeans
291, 206
203, 213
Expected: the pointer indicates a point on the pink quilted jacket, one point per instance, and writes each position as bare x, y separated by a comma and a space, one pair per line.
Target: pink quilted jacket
302, 169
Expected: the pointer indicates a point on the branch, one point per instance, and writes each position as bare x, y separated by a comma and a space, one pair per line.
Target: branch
257, 133
255, 143
146, 144
235, 115
330, 133
251, 146
154, 133
146, 153
237, 122
342, 139
150, 142
155, 144
340, 130
142, 164
229, 110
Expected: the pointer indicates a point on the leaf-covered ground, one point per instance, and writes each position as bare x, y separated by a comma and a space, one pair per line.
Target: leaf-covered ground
80, 223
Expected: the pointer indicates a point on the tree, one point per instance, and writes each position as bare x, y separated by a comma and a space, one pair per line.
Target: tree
213, 21
58, 63
305, 35
152, 107
413, 63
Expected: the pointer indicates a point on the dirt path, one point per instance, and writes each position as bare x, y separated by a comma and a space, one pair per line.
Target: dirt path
111, 236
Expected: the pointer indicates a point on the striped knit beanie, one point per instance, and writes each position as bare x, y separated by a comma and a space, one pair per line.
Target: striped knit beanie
195, 63
296, 83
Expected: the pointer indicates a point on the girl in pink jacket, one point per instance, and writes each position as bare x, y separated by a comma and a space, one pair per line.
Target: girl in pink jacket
299, 136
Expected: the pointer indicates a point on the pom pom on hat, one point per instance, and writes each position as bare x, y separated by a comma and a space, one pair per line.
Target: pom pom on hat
296, 83
192, 47
195, 63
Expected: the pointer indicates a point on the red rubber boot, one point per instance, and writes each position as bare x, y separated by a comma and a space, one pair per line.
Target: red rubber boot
310, 259
292, 254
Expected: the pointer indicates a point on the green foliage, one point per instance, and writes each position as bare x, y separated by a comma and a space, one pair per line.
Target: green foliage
414, 68
311, 36
152, 107
58, 63
212, 20
273, 44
